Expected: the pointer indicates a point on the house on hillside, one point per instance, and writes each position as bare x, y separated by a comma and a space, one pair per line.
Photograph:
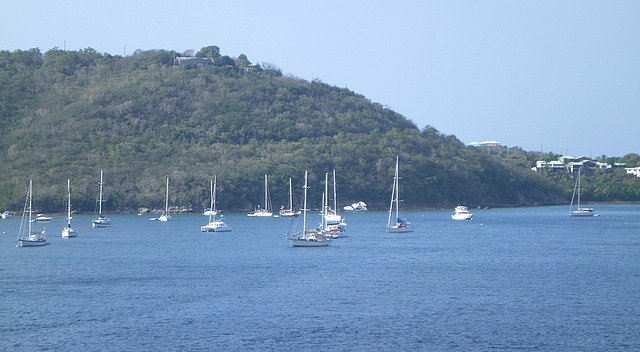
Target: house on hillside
633, 171
191, 60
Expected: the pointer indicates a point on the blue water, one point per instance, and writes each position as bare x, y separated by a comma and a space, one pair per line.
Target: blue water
525, 279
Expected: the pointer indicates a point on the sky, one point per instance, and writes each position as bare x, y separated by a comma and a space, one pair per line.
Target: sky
558, 76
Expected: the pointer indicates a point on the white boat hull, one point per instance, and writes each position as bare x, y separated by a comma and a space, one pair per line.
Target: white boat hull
216, 226
399, 229
302, 242
261, 214
583, 213
69, 232
27, 243
289, 213
33, 240
462, 216
101, 222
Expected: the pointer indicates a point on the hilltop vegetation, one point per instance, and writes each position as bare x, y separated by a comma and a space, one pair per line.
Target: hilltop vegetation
69, 114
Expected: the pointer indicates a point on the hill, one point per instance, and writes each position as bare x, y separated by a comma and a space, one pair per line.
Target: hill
69, 114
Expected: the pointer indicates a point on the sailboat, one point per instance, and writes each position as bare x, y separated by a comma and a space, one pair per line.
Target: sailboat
214, 225
165, 216
289, 212
580, 212
68, 230
399, 225
101, 221
26, 236
333, 224
266, 211
313, 238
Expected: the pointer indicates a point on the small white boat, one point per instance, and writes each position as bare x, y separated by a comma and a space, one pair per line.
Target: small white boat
6, 214
399, 225
101, 221
580, 212
209, 212
304, 238
266, 211
461, 212
215, 225
43, 218
358, 206
26, 236
68, 230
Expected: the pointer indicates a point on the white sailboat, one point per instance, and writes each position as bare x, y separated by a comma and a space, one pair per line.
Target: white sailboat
165, 216
101, 221
579, 211
399, 224
289, 212
214, 225
68, 230
333, 224
266, 211
304, 238
26, 236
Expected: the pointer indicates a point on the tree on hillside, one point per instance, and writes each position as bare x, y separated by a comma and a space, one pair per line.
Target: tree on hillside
211, 51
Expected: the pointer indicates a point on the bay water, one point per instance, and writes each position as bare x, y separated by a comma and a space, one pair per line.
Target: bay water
517, 279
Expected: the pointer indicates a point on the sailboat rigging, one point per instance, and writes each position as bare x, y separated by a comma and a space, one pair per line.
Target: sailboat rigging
580, 212
68, 230
304, 238
101, 221
399, 224
26, 236
215, 225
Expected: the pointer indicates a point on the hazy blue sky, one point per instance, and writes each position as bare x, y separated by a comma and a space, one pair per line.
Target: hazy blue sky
549, 75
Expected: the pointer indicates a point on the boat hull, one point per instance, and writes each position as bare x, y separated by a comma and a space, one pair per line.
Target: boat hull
102, 222
583, 213
69, 232
261, 214
462, 216
301, 242
215, 227
396, 229
33, 240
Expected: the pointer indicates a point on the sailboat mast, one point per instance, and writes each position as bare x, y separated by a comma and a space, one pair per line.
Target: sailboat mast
397, 187
265, 193
290, 195
335, 197
100, 205
304, 209
166, 199
326, 200
30, 195
579, 189
213, 196
69, 202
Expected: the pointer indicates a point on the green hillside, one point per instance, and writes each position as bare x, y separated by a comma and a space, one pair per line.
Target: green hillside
69, 114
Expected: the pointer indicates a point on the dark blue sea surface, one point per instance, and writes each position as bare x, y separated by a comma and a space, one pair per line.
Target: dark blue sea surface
523, 279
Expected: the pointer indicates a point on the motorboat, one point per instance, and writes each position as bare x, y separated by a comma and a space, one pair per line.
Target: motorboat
357, 206
461, 212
